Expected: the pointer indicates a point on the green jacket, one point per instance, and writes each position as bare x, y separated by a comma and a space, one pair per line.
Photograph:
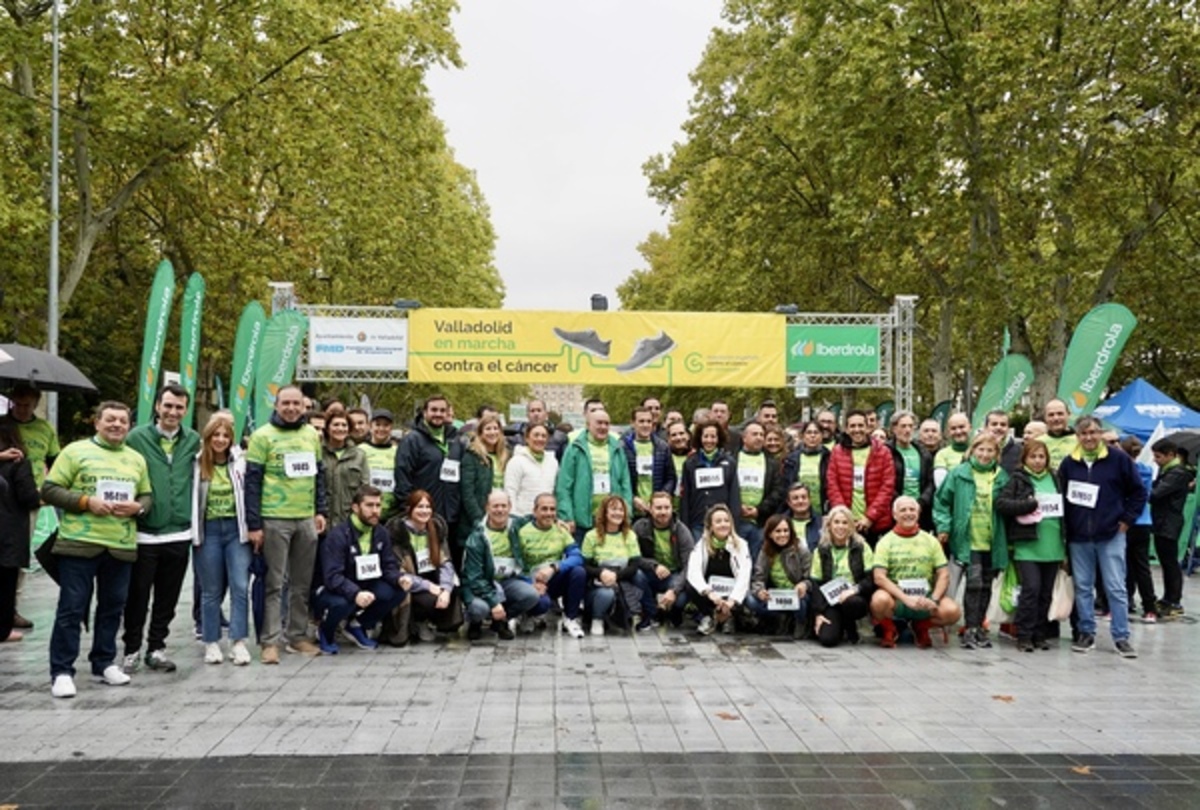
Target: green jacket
170, 481
343, 477
479, 567
574, 487
475, 482
952, 514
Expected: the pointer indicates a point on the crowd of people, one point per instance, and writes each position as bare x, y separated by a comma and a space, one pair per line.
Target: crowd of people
363, 534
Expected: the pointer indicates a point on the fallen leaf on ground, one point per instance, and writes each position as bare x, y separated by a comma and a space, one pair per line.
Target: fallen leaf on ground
728, 716
1085, 770
1004, 698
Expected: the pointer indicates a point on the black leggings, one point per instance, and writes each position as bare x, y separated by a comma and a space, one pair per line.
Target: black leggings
842, 617
1037, 589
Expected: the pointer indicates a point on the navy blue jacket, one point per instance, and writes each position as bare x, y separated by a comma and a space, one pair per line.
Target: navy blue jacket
1120, 499
337, 572
662, 471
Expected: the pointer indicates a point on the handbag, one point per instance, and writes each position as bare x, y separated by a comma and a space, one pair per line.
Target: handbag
996, 614
1062, 598
1010, 588
46, 557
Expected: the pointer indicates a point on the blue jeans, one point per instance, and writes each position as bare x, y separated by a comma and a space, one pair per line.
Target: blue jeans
600, 600
752, 534
1109, 557
222, 559
651, 587
76, 576
517, 596
568, 585
760, 609
333, 608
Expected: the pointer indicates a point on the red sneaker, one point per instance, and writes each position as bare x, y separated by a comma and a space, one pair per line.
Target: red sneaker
889, 633
921, 631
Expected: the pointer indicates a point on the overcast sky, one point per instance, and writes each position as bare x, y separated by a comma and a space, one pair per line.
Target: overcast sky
558, 107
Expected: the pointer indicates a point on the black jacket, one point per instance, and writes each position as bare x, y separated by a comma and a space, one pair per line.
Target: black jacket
924, 481
681, 539
419, 466
1167, 498
1017, 498
791, 474
18, 497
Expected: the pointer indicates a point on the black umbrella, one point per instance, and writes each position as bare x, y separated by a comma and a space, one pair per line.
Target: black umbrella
1189, 440
22, 364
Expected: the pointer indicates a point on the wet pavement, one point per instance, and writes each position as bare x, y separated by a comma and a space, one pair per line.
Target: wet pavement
660, 719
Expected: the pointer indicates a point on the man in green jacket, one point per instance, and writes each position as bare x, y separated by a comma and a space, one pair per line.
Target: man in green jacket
593, 466
164, 534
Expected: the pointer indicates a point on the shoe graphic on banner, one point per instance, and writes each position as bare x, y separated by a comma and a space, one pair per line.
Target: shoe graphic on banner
647, 351
586, 341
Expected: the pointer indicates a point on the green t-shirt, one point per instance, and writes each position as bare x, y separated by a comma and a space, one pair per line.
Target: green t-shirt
599, 455
779, 574
41, 442
916, 557
382, 464
841, 563
752, 477
542, 546
912, 470
289, 460
664, 551
1049, 546
609, 549
678, 462
497, 471
1059, 447
981, 509
645, 469
111, 473
949, 457
858, 497
800, 527
499, 541
220, 495
809, 473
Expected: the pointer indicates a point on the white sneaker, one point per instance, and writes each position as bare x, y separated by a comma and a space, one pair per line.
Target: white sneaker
213, 654
706, 626
132, 662
113, 675
239, 654
527, 625
63, 686
573, 627
597, 627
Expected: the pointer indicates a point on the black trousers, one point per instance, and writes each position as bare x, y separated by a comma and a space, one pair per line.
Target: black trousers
1138, 579
161, 568
1037, 590
1167, 551
841, 617
8, 598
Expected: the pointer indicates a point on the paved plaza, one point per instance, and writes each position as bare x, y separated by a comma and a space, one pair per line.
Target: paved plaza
665, 718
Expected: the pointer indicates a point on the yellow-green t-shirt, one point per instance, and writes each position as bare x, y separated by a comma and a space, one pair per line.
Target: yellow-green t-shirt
382, 464
752, 477
664, 551
916, 557
220, 495
542, 546
809, 473
41, 442
599, 455
858, 498
779, 574
644, 462
981, 510
116, 474
609, 549
289, 460
841, 563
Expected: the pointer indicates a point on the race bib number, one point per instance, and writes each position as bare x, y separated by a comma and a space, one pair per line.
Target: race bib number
1082, 494
111, 491
383, 479
1051, 505
860, 477
506, 567
710, 477
299, 465
750, 478
449, 471
914, 587
782, 599
367, 566
722, 586
833, 590
424, 566
645, 465
601, 483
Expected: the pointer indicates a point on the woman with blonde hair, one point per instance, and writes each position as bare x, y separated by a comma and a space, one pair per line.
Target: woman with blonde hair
972, 532
718, 574
219, 535
843, 579
482, 471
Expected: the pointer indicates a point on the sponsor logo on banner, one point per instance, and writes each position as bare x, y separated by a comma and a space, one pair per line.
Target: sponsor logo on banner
820, 349
362, 344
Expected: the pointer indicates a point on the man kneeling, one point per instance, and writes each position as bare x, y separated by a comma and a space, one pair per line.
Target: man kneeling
359, 574
911, 578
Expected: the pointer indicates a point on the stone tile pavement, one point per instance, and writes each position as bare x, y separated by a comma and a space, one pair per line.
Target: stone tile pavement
665, 697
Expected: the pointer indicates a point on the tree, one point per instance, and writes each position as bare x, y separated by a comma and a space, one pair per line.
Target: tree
1012, 164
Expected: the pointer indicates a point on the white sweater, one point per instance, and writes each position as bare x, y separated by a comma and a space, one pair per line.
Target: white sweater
525, 479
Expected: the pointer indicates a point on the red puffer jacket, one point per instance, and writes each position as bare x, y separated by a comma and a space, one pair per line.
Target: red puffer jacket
879, 483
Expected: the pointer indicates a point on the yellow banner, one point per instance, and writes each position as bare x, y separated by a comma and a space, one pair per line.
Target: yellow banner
597, 348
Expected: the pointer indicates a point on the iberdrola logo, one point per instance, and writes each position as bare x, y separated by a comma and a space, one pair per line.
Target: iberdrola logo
150, 375
1080, 399
804, 348
241, 392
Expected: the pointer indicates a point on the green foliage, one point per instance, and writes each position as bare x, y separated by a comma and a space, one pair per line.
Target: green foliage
1013, 164
256, 141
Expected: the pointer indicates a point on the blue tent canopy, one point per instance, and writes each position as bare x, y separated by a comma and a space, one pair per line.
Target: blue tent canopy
1139, 407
